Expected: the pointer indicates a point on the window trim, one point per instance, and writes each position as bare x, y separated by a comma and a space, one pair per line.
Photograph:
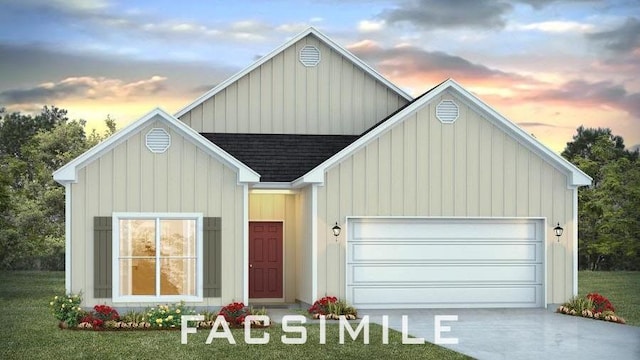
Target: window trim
115, 267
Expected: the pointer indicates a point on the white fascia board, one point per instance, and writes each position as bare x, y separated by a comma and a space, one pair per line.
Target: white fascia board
245, 173
272, 186
576, 176
311, 30
364, 66
68, 173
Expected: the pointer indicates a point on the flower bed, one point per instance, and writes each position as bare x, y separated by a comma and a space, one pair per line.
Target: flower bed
67, 310
332, 308
593, 306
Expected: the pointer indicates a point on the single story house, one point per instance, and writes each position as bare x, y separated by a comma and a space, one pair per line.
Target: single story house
439, 201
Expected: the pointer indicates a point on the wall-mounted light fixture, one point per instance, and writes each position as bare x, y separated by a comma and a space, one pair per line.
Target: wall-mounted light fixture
336, 231
558, 230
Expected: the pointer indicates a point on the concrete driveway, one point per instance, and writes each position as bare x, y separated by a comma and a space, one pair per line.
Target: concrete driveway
521, 333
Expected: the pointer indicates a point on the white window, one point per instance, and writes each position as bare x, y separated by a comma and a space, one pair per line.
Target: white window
157, 257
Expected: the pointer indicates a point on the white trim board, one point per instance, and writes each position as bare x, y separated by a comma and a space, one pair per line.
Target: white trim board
69, 172
576, 177
157, 217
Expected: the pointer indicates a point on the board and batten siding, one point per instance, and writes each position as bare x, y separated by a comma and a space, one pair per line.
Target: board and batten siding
130, 178
422, 167
280, 207
282, 96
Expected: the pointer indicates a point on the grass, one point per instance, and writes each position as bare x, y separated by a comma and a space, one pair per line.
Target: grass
29, 331
622, 288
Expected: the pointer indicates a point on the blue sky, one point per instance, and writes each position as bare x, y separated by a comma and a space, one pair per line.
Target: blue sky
548, 65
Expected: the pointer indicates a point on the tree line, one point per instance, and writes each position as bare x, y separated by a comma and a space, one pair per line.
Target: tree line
31, 203
609, 209
32, 212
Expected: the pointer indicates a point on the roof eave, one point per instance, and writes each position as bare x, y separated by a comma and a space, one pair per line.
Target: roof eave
576, 177
69, 172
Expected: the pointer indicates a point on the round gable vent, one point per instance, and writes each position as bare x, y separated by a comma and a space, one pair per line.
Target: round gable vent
447, 111
310, 55
158, 140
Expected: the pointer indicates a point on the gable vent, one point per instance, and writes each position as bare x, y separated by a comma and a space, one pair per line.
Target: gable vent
158, 140
310, 55
447, 111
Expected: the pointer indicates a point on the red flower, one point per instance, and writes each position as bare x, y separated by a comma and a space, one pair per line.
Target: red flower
234, 313
600, 303
106, 313
321, 305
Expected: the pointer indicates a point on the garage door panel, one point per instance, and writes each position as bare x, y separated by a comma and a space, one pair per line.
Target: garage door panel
446, 297
444, 252
433, 274
439, 262
442, 229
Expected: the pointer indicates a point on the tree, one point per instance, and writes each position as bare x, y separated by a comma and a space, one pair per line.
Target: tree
32, 203
608, 211
16, 129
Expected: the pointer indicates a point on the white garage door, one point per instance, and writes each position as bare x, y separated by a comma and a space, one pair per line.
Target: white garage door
442, 263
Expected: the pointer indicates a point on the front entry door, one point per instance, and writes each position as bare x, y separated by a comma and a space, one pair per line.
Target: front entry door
265, 259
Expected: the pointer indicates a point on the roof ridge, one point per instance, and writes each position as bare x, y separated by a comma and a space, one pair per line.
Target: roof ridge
310, 30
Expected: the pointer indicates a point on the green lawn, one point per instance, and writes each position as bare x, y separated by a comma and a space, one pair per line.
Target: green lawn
621, 287
29, 331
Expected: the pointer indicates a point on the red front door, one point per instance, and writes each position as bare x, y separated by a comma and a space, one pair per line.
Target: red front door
265, 259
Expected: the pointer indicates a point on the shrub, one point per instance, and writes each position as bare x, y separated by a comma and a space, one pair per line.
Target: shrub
209, 315
167, 316
234, 313
577, 305
332, 308
66, 308
594, 306
134, 317
321, 306
600, 303
99, 316
259, 312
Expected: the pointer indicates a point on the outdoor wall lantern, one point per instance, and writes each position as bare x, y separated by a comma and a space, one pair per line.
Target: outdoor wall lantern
558, 230
336, 231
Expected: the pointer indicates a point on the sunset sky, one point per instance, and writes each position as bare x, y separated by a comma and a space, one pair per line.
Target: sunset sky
549, 65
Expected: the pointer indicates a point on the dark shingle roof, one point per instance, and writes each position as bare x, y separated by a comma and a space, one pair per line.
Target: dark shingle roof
286, 157
280, 157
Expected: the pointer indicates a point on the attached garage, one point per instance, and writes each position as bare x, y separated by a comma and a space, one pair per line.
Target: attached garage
399, 262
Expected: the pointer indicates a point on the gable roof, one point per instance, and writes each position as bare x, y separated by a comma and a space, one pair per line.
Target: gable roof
576, 177
280, 157
311, 30
69, 172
